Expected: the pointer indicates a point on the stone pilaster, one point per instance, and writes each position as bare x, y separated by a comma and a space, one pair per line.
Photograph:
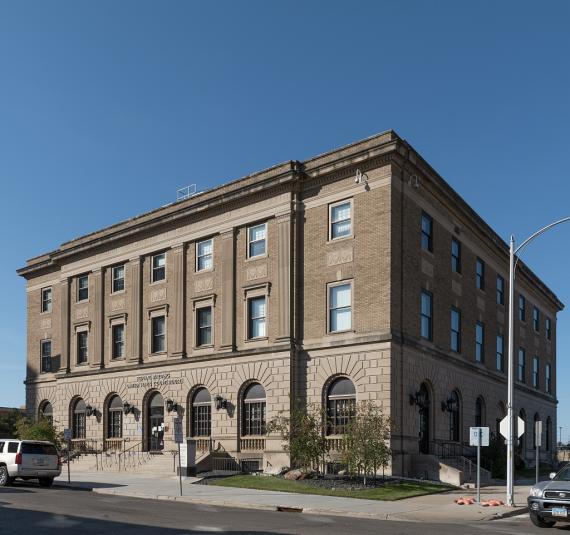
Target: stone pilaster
64, 363
228, 290
179, 302
134, 330
97, 311
284, 276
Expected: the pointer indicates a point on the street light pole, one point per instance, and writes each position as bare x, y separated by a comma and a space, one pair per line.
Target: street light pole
513, 260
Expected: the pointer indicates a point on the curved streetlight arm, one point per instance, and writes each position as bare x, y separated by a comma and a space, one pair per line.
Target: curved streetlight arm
536, 235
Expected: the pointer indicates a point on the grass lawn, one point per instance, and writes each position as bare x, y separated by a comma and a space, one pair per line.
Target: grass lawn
389, 492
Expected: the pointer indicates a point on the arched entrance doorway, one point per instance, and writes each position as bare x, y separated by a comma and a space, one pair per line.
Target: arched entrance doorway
424, 406
155, 423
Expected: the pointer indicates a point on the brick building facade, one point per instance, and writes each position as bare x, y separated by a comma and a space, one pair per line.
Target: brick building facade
296, 284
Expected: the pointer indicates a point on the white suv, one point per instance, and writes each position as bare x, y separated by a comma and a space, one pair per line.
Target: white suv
28, 459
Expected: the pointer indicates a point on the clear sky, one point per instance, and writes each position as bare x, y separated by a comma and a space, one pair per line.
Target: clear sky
106, 108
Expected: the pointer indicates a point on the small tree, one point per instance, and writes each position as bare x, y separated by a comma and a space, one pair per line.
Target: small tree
43, 429
302, 432
8, 424
365, 442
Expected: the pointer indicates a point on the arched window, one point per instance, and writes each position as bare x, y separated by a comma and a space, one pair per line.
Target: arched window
201, 413
46, 411
155, 422
253, 410
341, 404
115, 418
78, 419
479, 412
454, 408
548, 434
534, 437
522, 443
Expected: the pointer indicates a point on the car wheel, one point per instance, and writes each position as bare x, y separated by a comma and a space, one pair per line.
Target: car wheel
46, 481
5, 479
538, 521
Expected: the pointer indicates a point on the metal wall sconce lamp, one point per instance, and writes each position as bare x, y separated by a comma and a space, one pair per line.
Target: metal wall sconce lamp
90, 411
128, 408
221, 403
172, 406
448, 405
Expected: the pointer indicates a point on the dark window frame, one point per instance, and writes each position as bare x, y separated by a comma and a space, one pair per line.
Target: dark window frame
158, 337
117, 283
82, 340
117, 344
426, 233
480, 274
427, 317
45, 356
82, 291
455, 333
480, 342
500, 290
204, 329
455, 255
46, 305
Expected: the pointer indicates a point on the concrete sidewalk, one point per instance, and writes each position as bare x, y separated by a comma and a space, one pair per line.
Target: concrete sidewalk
432, 508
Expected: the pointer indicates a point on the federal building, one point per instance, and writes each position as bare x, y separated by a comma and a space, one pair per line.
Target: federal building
359, 274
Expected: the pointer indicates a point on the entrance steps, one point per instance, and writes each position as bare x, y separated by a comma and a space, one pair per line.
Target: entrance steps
453, 470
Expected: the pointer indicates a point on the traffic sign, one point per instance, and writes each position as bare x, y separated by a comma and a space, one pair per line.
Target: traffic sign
178, 431
504, 427
478, 436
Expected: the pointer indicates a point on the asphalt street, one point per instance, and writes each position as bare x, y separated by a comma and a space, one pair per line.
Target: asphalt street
27, 509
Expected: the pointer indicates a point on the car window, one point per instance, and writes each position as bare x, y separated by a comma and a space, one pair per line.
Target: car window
1, 447
12, 447
38, 449
563, 475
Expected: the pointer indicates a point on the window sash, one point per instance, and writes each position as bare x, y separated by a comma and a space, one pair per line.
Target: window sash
204, 255
548, 329
479, 342
78, 425
82, 347
204, 326
158, 267
455, 330
500, 353
340, 220
426, 314
536, 319
427, 232
500, 290
521, 366
257, 315
115, 424
118, 278
201, 420
535, 372
254, 418
83, 288
118, 335
455, 256
548, 378
480, 274
256, 238
46, 300
340, 411
340, 307
522, 308
45, 353
158, 334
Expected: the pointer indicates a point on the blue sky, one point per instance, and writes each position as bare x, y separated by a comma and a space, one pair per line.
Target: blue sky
106, 108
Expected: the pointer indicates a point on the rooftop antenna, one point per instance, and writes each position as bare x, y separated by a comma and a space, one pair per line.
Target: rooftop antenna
185, 192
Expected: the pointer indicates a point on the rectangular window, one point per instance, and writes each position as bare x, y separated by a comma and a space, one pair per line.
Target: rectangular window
46, 300
522, 308
204, 326
500, 290
427, 232
548, 329
521, 366
500, 353
159, 267
480, 342
455, 255
256, 240
118, 278
118, 336
204, 255
340, 307
257, 317
455, 330
548, 377
480, 274
426, 315
45, 349
340, 222
83, 288
158, 334
536, 319
82, 347
535, 373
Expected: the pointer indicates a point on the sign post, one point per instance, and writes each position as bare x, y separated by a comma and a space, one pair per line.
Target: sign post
504, 428
479, 436
67, 437
179, 438
537, 444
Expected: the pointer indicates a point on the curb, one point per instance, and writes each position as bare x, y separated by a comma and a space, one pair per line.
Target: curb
518, 511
